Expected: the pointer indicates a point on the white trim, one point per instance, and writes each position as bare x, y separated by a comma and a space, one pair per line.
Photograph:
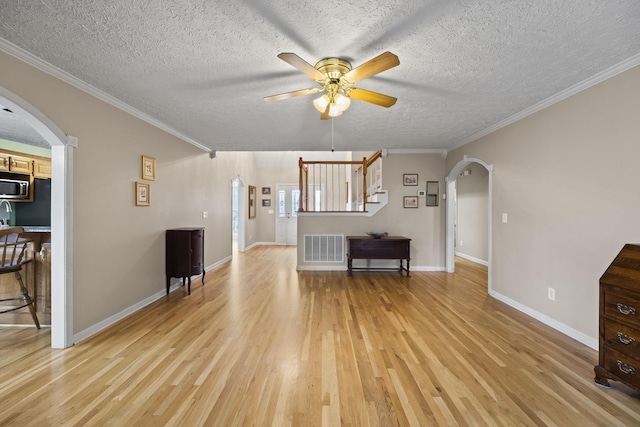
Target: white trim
109, 321
44, 66
440, 151
558, 326
344, 268
473, 259
321, 268
600, 77
61, 214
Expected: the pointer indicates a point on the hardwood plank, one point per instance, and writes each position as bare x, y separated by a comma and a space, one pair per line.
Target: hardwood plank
262, 344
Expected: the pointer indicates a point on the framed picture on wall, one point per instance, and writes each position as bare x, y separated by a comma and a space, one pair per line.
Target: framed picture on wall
410, 201
148, 168
266, 190
143, 198
410, 179
252, 202
266, 202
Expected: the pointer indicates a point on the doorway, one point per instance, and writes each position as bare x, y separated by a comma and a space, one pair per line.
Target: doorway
238, 214
61, 214
288, 201
451, 219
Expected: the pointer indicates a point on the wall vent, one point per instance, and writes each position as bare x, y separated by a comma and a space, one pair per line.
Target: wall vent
324, 247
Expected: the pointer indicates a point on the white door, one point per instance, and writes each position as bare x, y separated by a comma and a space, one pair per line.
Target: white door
288, 203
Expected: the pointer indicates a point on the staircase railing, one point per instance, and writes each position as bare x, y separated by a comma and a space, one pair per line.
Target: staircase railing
339, 186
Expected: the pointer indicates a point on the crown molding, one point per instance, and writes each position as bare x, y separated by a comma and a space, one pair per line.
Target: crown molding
440, 151
21, 54
600, 77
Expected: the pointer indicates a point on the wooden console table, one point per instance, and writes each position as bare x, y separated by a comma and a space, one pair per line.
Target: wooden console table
366, 247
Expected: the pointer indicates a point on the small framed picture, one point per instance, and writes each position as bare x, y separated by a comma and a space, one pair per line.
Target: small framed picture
266, 202
410, 201
410, 179
252, 202
143, 197
266, 190
148, 168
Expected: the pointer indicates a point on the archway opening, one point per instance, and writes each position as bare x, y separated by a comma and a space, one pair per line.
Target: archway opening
451, 219
61, 214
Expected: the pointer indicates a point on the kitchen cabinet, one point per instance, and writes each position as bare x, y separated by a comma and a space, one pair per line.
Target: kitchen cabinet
41, 168
10, 162
37, 166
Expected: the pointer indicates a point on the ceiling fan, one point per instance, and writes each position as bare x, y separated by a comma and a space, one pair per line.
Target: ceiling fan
336, 79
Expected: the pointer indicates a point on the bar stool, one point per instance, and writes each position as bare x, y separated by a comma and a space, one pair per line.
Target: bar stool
12, 258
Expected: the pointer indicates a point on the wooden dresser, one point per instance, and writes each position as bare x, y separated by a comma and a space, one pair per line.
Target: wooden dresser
620, 320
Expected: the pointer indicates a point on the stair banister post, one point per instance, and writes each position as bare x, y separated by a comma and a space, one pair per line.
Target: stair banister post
303, 193
364, 184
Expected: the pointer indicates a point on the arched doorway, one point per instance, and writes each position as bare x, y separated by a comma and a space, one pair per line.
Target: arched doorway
61, 215
451, 215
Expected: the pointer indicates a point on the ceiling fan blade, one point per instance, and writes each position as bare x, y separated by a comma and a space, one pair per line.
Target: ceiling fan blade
372, 97
373, 66
302, 65
293, 94
325, 115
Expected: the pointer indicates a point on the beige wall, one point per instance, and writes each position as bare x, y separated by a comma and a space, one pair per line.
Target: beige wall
265, 221
567, 177
424, 225
472, 217
118, 247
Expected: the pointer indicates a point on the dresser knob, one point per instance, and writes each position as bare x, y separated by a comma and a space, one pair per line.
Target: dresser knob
626, 368
626, 310
625, 339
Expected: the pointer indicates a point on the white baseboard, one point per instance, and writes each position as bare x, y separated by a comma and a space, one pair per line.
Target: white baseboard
344, 268
92, 330
472, 259
561, 327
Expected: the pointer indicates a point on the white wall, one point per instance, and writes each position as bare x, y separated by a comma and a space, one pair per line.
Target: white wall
567, 178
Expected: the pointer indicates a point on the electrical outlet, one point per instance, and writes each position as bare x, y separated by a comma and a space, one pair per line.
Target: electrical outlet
551, 294
205, 214
461, 243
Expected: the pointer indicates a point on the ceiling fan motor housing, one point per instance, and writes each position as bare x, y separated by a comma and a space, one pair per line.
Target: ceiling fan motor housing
333, 68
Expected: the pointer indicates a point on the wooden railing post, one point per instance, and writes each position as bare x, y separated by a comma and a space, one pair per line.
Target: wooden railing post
364, 184
302, 191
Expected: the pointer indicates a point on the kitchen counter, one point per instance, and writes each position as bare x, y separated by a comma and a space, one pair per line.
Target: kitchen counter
37, 228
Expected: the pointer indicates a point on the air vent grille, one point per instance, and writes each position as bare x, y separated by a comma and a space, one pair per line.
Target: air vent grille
324, 248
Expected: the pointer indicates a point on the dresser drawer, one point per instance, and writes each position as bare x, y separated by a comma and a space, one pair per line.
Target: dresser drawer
622, 337
622, 366
622, 306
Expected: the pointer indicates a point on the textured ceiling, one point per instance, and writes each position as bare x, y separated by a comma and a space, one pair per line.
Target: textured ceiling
202, 67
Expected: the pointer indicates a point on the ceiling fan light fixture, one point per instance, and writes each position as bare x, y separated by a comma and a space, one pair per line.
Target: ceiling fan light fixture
321, 103
343, 102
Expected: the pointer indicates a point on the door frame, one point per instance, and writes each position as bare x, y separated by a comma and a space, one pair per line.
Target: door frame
62, 146
242, 212
451, 219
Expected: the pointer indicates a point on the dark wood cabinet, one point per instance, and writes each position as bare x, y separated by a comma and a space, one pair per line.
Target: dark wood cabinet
184, 254
367, 247
619, 335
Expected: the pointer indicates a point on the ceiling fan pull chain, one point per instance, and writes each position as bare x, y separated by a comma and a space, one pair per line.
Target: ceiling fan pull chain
332, 134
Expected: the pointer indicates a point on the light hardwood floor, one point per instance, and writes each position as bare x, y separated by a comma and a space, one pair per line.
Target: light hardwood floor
261, 344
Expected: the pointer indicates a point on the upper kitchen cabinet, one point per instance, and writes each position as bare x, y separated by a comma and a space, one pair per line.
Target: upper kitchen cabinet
10, 162
39, 167
42, 167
